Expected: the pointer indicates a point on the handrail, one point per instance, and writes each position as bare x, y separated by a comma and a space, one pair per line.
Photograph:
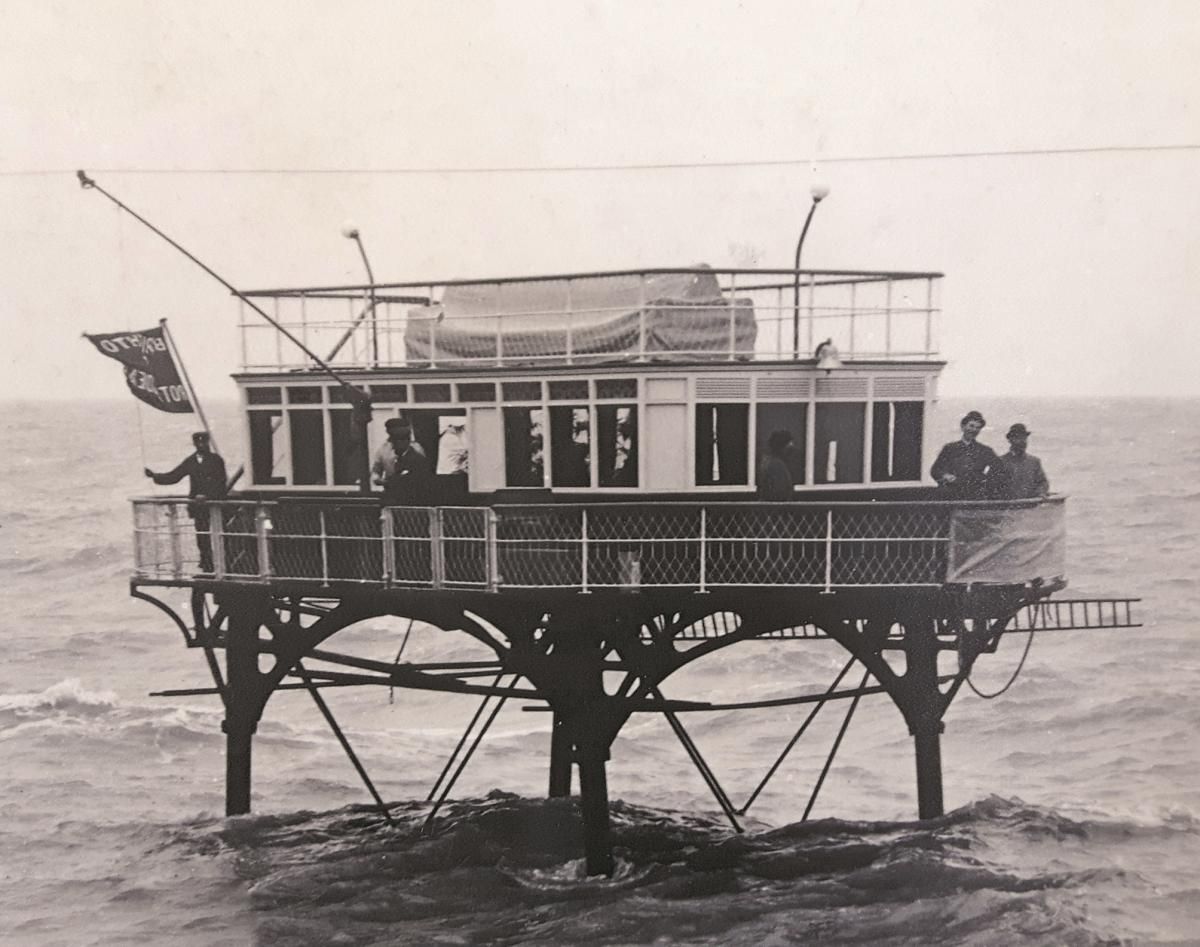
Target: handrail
587, 547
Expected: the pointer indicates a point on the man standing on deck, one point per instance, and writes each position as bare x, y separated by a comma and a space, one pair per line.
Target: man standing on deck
207, 472
1018, 475
774, 475
402, 468
962, 466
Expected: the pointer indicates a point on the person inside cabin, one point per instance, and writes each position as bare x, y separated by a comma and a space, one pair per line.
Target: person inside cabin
962, 467
402, 468
1018, 475
206, 471
774, 475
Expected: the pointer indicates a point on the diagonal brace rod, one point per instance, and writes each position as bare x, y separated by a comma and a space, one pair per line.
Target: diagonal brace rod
837, 742
812, 715
337, 732
702, 766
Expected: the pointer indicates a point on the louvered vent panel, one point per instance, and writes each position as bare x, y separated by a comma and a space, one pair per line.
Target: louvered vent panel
784, 387
722, 387
911, 386
842, 387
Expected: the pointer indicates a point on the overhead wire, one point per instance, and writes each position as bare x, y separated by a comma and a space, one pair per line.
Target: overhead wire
631, 166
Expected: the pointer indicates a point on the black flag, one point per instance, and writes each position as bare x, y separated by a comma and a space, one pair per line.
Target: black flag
150, 370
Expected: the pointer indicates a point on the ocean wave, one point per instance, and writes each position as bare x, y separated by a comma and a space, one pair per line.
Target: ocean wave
506, 869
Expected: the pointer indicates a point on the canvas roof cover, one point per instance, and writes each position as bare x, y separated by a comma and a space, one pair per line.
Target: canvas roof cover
596, 318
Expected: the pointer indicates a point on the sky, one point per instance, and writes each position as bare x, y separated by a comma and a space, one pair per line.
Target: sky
251, 132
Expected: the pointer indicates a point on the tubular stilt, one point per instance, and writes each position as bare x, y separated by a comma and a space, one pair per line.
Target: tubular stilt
560, 759
241, 719
593, 801
929, 771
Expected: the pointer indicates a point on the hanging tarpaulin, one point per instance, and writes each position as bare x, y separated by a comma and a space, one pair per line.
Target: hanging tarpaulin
150, 371
1007, 544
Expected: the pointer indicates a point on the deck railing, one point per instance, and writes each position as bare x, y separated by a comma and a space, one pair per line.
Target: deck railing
589, 547
682, 314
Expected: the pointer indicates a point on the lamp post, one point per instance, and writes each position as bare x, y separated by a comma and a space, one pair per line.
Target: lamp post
361, 406
350, 232
819, 193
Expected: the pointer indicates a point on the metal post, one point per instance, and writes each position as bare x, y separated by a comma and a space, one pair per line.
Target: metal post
493, 552
703, 549
641, 317
570, 325
583, 551
216, 537
437, 565
176, 544
887, 321
828, 550
324, 549
262, 535
923, 711
853, 304
928, 317
732, 316
387, 531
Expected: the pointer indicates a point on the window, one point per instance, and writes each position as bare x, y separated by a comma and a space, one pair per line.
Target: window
431, 393
522, 390
617, 445
722, 435
896, 440
308, 447
264, 396
389, 394
570, 446
568, 390
625, 388
266, 451
792, 418
453, 453
523, 439
348, 450
838, 442
309, 394
477, 391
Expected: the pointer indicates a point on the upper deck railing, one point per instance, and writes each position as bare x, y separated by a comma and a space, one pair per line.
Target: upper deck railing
696, 313
588, 547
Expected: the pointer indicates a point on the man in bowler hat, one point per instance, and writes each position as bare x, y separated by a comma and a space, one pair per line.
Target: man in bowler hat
1018, 475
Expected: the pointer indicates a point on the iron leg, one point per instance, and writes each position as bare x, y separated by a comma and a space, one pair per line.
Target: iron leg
560, 759
928, 743
593, 801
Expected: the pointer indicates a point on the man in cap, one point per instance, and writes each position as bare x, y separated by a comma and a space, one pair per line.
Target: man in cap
1018, 475
962, 466
206, 471
402, 468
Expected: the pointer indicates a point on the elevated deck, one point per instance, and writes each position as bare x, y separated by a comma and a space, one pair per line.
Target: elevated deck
681, 315
327, 543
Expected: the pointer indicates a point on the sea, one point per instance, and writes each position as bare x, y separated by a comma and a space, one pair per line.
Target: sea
1073, 800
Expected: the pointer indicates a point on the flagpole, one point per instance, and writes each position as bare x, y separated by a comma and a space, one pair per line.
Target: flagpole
187, 382
360, 400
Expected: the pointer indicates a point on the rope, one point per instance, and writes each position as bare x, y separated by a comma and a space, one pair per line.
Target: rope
1037, 610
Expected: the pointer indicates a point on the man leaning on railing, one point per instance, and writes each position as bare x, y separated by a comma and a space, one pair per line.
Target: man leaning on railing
206, 471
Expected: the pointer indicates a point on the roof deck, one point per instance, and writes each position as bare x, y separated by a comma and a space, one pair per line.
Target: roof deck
591, 547
693, 314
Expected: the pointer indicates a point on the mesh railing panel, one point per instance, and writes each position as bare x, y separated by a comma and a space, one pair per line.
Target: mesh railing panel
570, 547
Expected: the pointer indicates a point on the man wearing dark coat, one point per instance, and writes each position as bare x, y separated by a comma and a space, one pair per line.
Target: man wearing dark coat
403, 469
962, 466
774, 475
206, 471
